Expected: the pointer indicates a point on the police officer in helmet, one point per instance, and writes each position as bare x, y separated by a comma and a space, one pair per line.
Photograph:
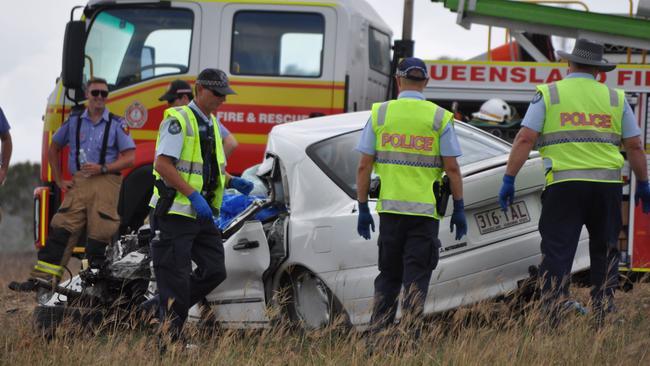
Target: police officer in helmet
578, 125
189, 169
409, 143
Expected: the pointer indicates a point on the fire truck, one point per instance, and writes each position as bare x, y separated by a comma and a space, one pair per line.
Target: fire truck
287, 60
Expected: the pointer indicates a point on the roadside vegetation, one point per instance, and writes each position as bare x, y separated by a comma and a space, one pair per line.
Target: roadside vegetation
484, 334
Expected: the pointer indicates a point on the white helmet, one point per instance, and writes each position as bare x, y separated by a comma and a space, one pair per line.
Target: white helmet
494, 110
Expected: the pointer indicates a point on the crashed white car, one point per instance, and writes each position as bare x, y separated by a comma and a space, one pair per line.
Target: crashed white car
313, 250
298, 245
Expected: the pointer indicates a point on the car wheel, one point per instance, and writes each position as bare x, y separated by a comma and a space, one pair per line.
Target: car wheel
311, 304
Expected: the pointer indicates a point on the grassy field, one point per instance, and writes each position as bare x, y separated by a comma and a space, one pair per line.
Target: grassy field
485, 334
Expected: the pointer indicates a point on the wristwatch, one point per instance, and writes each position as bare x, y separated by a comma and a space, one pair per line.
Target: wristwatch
104, 169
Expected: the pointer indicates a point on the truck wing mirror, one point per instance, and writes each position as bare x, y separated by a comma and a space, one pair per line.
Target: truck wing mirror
73, 54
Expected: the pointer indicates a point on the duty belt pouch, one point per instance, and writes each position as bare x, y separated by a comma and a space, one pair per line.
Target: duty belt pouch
165, 200
441, 191
375, 187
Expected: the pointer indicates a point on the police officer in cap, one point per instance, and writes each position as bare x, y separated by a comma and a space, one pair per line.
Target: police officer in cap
179, 94
578, 125
189, 169
409, 142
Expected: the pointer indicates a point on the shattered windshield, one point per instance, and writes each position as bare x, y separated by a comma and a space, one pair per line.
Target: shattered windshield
128, 45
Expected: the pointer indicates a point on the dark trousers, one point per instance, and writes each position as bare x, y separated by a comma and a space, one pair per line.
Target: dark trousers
566, 208
408, 253
182, 240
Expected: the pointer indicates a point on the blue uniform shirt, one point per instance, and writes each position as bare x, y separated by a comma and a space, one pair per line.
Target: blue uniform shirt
4, 125
449, 145
91, 137
534, 118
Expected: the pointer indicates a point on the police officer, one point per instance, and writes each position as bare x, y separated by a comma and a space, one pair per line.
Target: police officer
189, 169
179, 94
578, 125
100, 148
5, 147
409, 142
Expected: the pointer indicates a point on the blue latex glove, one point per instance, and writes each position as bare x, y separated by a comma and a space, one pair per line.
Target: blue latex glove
203, 210
365, 221
507, 192
458, 219
242, 185
643, 194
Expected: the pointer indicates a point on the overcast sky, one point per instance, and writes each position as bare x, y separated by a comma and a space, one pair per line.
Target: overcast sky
31, 39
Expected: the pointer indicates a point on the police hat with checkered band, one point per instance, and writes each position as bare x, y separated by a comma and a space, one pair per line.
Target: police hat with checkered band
588, 53
412, 68
215, 80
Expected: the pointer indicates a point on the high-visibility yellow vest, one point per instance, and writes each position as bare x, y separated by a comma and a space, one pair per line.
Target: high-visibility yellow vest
582, 131
407, 154
190, 163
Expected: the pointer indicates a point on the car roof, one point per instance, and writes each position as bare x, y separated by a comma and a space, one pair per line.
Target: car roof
303, 133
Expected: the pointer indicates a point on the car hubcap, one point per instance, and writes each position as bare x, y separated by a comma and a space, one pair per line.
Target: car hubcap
312, 301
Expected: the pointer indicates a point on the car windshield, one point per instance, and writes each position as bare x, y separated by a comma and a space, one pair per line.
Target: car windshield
128, 45
338, 158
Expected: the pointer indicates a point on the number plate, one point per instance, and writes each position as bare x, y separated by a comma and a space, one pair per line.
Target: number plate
494, 220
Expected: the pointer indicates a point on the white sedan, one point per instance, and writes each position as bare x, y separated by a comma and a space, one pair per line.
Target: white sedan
309, 253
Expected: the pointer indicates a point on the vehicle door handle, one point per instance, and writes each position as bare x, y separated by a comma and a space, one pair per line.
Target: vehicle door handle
244, 244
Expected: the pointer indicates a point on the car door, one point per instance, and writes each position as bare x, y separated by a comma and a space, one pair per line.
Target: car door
239, 301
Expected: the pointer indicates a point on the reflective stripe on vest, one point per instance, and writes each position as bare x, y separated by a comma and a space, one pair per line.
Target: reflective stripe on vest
578, 136
183, 208
589, 174
582, 131
411, 207
408, 159
189, 167
407, 156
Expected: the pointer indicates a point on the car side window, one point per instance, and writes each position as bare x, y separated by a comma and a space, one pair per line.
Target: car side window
338, 159
476, 146
274, 43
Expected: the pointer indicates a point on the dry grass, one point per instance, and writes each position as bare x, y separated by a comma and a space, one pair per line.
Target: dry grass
485, 334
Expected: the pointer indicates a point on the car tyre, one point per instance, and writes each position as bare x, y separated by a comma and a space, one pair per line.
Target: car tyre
311, 305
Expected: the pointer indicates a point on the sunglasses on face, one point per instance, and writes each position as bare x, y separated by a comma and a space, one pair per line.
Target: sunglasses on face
97, 92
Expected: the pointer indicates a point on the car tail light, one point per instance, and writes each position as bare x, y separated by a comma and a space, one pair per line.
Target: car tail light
41, 215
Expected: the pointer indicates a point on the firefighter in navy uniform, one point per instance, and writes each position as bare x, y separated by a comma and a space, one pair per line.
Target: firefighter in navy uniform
189, 169
409, 142
100, 148
578, 125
